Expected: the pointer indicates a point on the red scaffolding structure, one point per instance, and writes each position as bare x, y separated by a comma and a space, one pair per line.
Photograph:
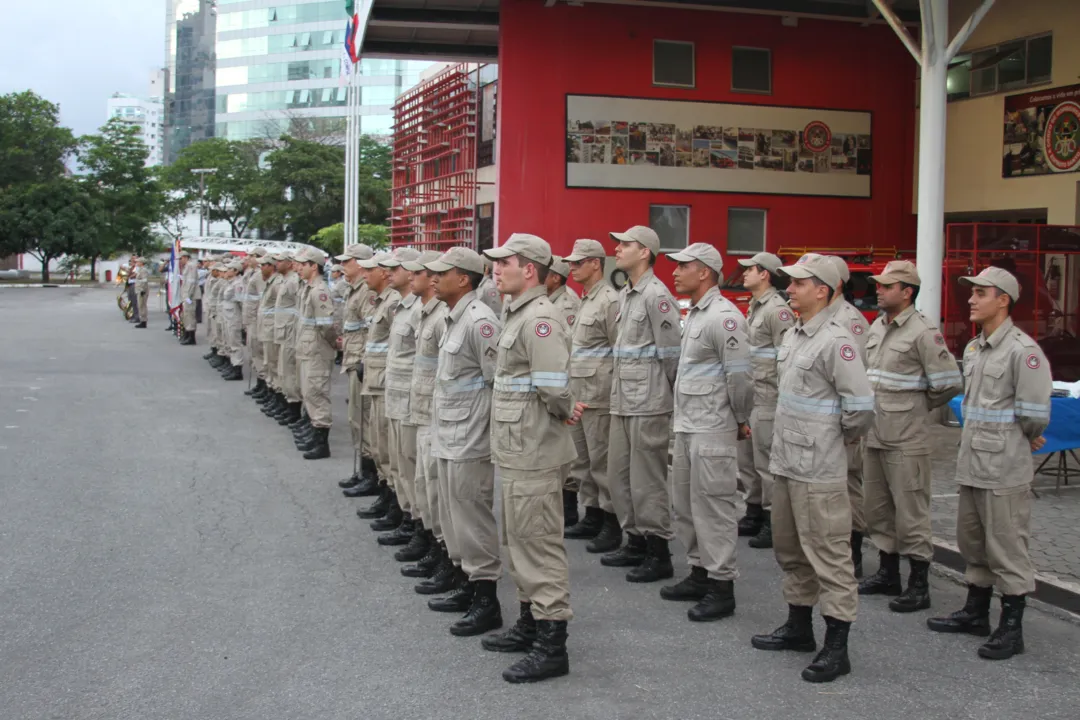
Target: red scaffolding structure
433, 200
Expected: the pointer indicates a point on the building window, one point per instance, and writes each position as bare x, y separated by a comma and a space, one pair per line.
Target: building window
1009, 66
746, 231
751, 70
673, 63
672, 224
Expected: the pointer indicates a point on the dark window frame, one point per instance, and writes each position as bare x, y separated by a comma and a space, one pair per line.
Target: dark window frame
693, 65
751, 91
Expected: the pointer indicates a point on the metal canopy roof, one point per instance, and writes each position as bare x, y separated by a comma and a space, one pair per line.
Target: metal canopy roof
468, 30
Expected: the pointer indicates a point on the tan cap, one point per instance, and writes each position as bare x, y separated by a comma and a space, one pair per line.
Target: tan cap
529, 246
336, 268
266, 260
356, 251
310, 255
461, 258
1003, 280
185, 253
418, 264
281, 256
399, 257
374, 261
842, 269
763, 259
814, 265
258, 252
640, 234
586, 249
898, 271
704, 253
559, 266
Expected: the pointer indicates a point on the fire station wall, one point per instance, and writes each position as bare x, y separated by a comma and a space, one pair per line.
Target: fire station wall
547, 52
973, 149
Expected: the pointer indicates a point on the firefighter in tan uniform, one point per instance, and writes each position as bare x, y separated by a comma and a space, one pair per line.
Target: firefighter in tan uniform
646, 360
386, 511
530, 445
591, 365
275, 406
142, 291
768, 318
824, 403
265, 390
339, 292
231, 302
216, 354
189, 294
315, 347
567, 302
461, 445
1006, 409
285, 317
852, 319
713, 397
911, 372
252, 294
430, 326
488, 293
364, 480
265, 269
400, 433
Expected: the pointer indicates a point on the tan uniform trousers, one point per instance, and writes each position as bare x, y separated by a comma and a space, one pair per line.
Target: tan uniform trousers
855, 484
589, 472
426, 481
704, 486
811, 528
255, 352
993, 529
637, 473
270, 364
532, 533
754, 475
375, 425
359, 411
470, 502
315, 389
144, 310
402, 439
897, 502
234, 340
187, 315
290, 381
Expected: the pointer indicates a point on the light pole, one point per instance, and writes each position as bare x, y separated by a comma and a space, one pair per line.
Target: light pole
202, 172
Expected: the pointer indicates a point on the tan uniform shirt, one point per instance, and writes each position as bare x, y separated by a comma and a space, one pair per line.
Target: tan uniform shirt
285, 311
142, 280
768, 318
432, 327
532, 397
825, 399
380, 317
358, 304
489, 295
592, 358
1006, 406
568, 303
646, 349
316, 336
401, 352
302, 290
853, 321
339, 292
231, 300
713, 391
189, 282
911, 372
466, 370
267, 306
254, 286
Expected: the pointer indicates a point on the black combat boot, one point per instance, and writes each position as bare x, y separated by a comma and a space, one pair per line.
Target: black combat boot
796, 634
609, 538
207, 356
366, 485
856, 553
401, 535
272, 405
917, 595
189, 338
308, 440
692, 587
484, 612
763, 540
425, 567
447, 577
719, 602
417, 546
320, 448
235, 372
832, 661
218, 360
973, 618
460, 600
300, 421
750, 523
260, 386
631, 554
291, 414
886, 581
519, 638
391, 519
588, 527
262, 395
546, 659
1008, 639
570, 508
657, 564
350, 482
378, 508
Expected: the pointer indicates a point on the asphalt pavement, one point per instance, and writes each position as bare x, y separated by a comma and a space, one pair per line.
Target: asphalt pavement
167, 554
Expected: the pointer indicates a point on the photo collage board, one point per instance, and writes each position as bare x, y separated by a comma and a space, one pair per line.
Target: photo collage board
637, 143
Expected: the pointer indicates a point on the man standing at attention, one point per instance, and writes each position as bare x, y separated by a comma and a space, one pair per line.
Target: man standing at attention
142, 290
365, 480
315, 348
189, 292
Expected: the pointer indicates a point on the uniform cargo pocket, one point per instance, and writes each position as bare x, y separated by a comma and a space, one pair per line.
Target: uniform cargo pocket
452, 425
582, 372
987, 457
1015, 509
718, 475
537, 509
508, 430
829, 510
798, 451
697, 387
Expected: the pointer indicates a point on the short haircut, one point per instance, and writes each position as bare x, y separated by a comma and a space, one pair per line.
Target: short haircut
818, 282
562, 280
713, 275
914, 290
998, 292
475, 278
652, 258
541, 270
778, 281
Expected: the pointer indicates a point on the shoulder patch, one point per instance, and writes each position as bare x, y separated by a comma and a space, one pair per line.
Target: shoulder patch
570, 319
1033, 361
323, 297
939, 340
857, 328
847, 352
664, 306
487, 330
543, 329
784, 315
730, 324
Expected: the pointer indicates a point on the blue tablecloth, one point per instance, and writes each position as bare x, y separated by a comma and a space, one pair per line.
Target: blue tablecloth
1063, 432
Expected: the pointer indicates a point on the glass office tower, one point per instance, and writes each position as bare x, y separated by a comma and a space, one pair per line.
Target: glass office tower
189, 74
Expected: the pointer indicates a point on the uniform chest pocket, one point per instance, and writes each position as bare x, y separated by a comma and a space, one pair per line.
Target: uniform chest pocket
638, 326
582, 372
403, 329
428, 334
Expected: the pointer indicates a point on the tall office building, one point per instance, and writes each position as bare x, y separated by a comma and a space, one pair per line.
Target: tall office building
148, 114
189, 73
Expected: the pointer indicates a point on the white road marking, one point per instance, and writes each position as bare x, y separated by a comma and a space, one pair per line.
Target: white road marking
31, 399
11, 427
22, 410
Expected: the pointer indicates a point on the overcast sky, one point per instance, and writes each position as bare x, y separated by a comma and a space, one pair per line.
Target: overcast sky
78, 54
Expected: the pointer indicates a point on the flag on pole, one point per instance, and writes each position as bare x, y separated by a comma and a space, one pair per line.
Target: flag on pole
172, 285
352, 28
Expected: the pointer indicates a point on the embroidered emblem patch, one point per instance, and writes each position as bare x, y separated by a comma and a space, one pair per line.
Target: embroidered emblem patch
570, 319
784, 315
857, 329
543, 329
939, 340
487, 330
847, 352
664, 306
730, 324
323, 297
1033, 362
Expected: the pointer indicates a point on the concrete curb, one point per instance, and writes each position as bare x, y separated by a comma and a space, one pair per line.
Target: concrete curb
31, 285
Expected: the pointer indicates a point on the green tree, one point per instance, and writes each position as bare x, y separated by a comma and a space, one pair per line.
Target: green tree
374, 186
33, 145
303, 191
331, 239
230, 193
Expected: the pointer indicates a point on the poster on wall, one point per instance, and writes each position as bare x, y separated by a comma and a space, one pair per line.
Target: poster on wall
638, 143
1042, 130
